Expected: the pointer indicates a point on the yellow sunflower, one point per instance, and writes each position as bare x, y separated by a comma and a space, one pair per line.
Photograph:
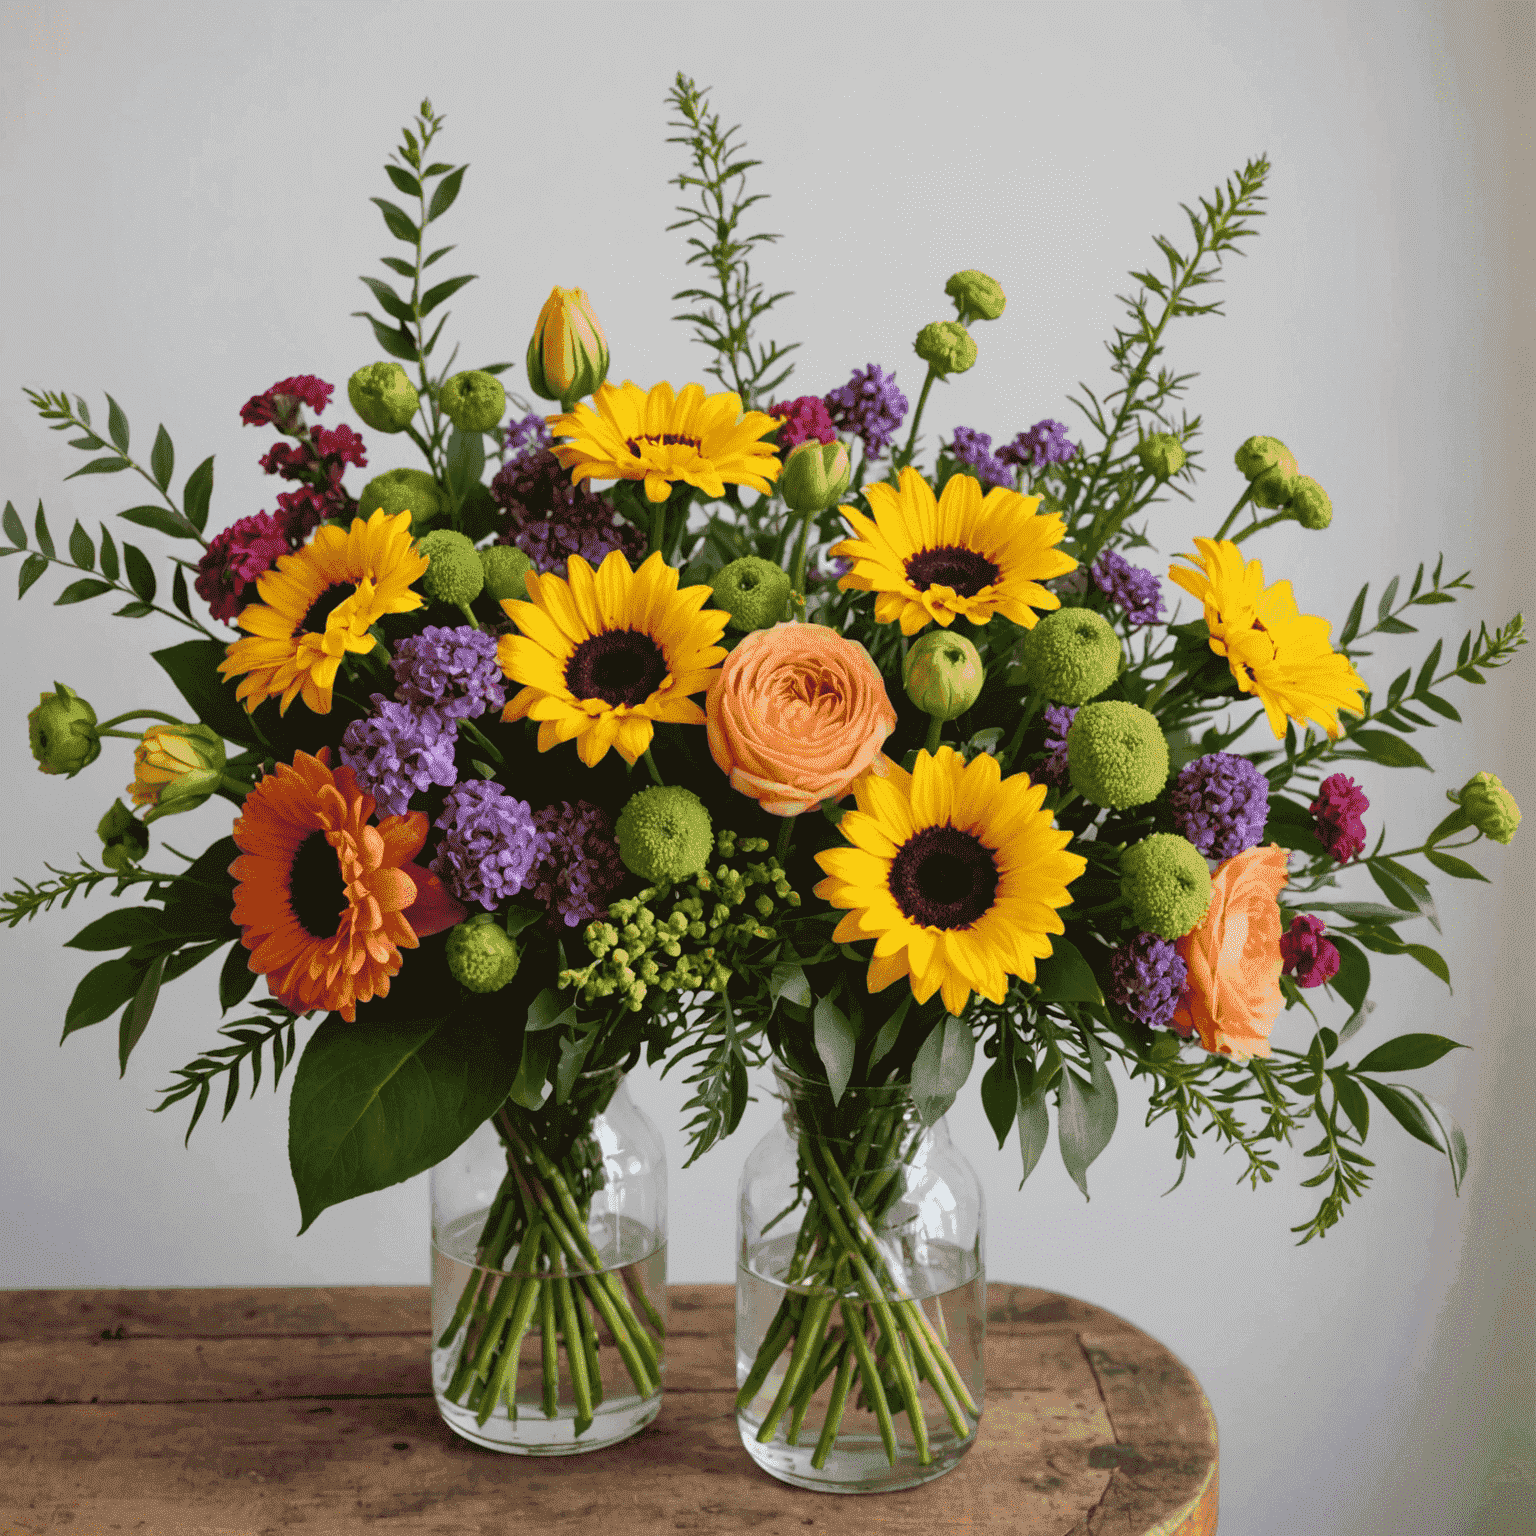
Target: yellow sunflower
962, 555
317, 604
956, 874
1275, 651
604, 655
658, 437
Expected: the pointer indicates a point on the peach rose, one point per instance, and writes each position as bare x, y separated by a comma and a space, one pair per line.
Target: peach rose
1233, 954
796, 714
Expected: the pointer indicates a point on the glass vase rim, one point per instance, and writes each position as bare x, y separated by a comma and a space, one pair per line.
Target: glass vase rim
787, 1078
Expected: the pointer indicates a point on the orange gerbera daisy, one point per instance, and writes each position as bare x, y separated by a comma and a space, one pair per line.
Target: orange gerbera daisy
326, 901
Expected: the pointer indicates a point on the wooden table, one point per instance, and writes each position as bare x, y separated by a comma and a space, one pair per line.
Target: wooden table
237, 1412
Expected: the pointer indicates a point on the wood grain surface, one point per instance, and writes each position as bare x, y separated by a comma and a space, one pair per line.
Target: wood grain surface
272, 1411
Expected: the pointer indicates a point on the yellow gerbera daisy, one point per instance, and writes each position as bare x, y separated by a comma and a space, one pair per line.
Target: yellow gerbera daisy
956, 874
319, 603
658, 437
605, 654
962, 555
1275, 651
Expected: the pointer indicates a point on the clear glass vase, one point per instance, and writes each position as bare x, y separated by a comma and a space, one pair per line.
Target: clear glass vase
861, 1298
549, 1274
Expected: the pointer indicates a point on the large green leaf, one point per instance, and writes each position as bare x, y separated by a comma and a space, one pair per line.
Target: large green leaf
1087, 1114
376, 1102
942, 1064
836, 1042
1065, 977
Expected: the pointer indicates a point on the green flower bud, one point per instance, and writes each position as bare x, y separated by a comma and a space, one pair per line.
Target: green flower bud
1161, 454
473, 401
753, 591
815, 476
1488, 806
1310, 505
124, 838
176, 768
1167, 883
383, 396
946, 346
455, 574
568, 353
1117, 755
506, 568
62, 732
665, 833
403, 490
943, 674
976, 296
1072, 655
481, 956
1272, 468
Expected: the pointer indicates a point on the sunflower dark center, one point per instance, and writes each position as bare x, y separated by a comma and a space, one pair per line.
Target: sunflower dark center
619, 666
316, 891
663, 440
943, 878
323, 606
953, 566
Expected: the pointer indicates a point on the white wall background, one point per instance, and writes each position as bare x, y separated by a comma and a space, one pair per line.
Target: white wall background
184, 192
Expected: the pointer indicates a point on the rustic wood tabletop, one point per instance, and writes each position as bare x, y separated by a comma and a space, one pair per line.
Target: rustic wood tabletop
310, 1413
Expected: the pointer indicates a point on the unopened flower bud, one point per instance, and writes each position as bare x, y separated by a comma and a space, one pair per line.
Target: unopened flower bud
568, 355
506, 570
62, 732
1161, 454
176, 768
946, 346
473, 401
753, 591
383, 396
976, 296
1272, 468
815, 476
1310, 505
1488, 806
403, 490
481, 956
454, 573
124, 838
943, 674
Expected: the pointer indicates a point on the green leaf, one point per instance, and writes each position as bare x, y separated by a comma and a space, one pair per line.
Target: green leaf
194, 668
1430, 959
162, 459
1356, 911
79, 591
236, 978
1357, 1021
162, 520
546, 1012
179, 591
890, 1031
1440, 706
44, 538
1356, 614
396, 221
403, 180
1352, 1100
1354, 977
1086, 1115
538, 1050
15, 529
436, 256
197, 493
203, 898
1384, 607
466, 462
389, 301
1426, 1120
435, 296
1065, 977
117, 425
404, 268
788, 981
134, 611
121, 929
397, 342
444, 193
1408, 1052
31, 568
941, 1066
379, 1101
573, 1053
137, 1014
1454, 866
1000, 1098
1398, 894
1034, 1128
836, 1042
109, 565
1426, 677
141, 575
102, 991
81, 550
1388, 750
110, 466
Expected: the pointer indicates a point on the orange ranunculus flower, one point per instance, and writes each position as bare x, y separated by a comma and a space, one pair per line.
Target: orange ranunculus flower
1233, 953
796, 714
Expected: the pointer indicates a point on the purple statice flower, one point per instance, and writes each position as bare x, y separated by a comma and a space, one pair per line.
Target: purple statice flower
490, 843
1044, 443
1148, 975
1306, 954
1058, 719
804, 420
452, 671
397, 751
1220, 803
549, 518
1337, 811
579, 868
974, 450
870, 406
1133, 588
529, 436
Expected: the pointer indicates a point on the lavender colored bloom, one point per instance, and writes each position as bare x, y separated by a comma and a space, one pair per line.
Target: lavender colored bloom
1044, 443
1220, 803
1058, 719
452, 671
974, 450
1134, 589
870, 406
489, 846
1148, 979
579, 868
398, 751
528, 436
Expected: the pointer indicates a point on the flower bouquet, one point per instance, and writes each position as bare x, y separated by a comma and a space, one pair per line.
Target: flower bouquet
727, 728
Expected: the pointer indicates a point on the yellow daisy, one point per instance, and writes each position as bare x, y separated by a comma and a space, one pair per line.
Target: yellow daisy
963, 555
956, 874
319, 603
605, 654
1275, 651
658, 437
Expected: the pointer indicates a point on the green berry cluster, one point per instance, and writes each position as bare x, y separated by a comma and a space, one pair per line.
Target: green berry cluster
682, 937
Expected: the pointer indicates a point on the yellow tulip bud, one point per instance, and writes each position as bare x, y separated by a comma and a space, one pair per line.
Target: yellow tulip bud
175, 768
568, 356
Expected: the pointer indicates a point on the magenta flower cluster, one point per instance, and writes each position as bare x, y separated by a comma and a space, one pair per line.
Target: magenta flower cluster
804, 420
1337, 813
1306, 954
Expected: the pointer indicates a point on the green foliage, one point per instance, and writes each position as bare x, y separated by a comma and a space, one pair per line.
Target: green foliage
247, 1039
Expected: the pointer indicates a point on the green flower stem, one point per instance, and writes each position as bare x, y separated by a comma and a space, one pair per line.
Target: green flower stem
509, 1304
833, 1421
589, 1348
807, 1346
652, 769
869, 1374
780, 1331
1242, 501
786, 834
504, 1378
551, 1349
496, 1231
1268, 522
797, 570
575, 1352
905, 456
121, 735
137, 714
234, 786
935, 730
468, 612
637, 1293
